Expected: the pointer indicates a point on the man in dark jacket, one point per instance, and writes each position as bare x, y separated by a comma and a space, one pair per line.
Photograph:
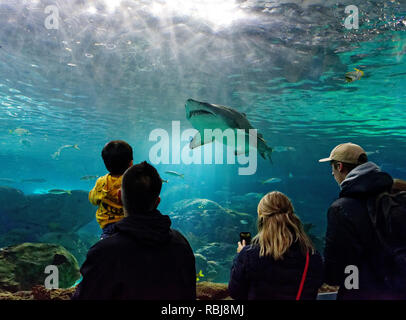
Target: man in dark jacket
144, 259
350, 239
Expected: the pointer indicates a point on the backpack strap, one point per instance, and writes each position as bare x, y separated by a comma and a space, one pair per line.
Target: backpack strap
299, 293
374, 204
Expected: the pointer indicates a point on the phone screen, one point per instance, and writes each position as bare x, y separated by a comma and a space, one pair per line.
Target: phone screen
245, 236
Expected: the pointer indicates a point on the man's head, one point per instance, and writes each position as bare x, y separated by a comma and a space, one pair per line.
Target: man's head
140, 189
345, 157
117, 156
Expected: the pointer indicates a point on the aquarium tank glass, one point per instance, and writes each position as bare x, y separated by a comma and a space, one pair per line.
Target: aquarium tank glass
305, 74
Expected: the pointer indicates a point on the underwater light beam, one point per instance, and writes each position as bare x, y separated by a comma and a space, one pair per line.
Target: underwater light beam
216, 12
112, 5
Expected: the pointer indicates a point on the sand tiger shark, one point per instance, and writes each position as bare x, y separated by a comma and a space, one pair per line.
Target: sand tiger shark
203, 115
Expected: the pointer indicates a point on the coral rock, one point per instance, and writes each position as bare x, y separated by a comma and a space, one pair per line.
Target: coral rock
212, 291
41, 293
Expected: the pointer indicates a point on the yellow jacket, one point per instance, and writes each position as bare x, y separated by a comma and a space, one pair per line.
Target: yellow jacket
105, 195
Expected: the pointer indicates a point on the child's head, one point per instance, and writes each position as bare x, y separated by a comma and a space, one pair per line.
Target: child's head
117, 156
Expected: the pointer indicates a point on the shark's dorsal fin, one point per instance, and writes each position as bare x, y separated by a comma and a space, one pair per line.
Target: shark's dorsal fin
244, 114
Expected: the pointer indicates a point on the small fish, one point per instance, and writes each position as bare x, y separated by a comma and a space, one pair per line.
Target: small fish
176, 174
66, 146
254, 195
290, 175
164, 181
354, 75
271, 180
34, 180
59, 191
283, 149
368, 153
243, 221
88, 178
25, 142
20, 131
199, 275
57, 153
7, 180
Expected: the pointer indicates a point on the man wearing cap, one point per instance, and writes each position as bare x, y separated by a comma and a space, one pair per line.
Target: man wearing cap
351, 255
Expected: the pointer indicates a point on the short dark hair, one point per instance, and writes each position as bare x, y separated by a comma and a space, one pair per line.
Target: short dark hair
363, 158
141, 187
117, 155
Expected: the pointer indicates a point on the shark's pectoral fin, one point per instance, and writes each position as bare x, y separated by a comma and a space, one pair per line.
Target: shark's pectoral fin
198, 141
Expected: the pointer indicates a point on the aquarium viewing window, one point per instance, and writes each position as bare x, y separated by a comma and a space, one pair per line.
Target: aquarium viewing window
270, 134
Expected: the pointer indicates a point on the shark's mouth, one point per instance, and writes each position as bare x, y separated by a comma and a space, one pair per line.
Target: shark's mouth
198, 113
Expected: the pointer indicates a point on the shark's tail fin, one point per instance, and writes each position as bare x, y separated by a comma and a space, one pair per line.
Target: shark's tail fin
182, 176
76, 147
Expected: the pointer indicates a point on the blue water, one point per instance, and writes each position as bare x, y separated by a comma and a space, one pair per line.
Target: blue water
120, 69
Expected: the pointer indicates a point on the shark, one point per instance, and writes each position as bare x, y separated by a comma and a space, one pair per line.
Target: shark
204, 115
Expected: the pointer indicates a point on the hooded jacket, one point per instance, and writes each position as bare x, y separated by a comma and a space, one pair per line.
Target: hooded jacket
105, 196
350, 236
143, 260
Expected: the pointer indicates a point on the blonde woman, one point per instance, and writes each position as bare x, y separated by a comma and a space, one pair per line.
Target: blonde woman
281, 263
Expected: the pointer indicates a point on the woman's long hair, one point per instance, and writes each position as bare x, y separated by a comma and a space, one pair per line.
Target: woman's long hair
279, 227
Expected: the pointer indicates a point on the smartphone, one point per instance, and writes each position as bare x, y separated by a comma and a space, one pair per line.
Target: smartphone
245, 236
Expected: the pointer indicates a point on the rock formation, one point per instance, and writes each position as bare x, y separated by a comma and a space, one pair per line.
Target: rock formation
23, 266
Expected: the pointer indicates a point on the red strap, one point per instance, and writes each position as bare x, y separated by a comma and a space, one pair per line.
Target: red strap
299, 293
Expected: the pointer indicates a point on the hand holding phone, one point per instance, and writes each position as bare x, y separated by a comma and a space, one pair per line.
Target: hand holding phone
245, 240
245, 236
